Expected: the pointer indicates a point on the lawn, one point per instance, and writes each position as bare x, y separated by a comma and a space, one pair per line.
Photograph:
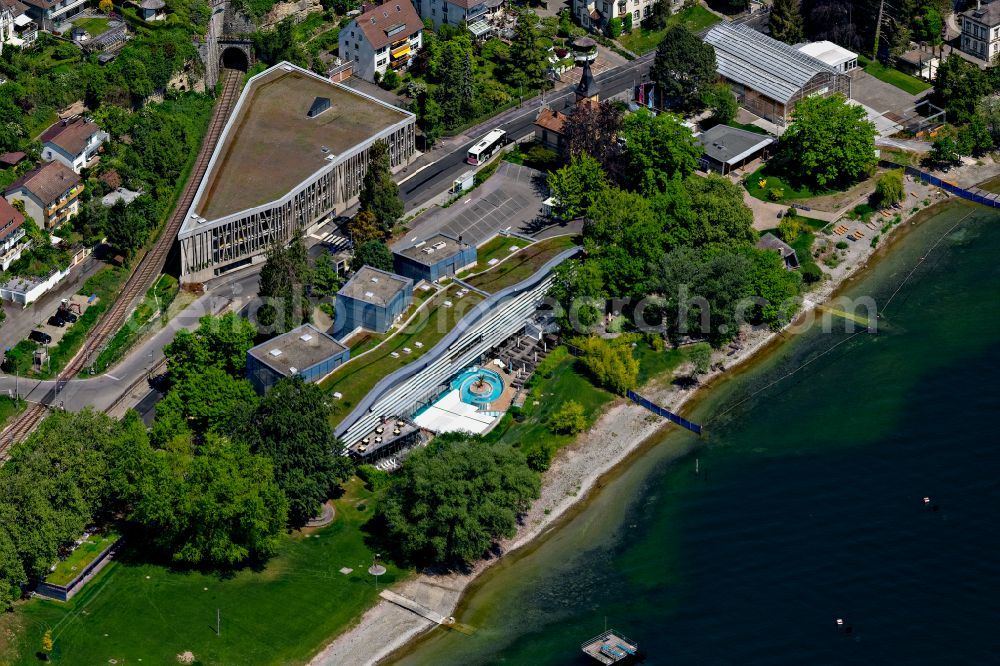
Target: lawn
357, 377
8, 408
68, 569
94, 26
522, 265
653, 364
281, 614
496, 248
752, 183
894, 77
695, 19
560, 377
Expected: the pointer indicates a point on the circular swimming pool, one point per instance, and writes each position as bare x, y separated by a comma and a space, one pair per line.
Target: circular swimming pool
478, 386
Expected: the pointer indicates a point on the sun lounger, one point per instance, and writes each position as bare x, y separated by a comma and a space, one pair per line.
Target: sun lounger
627, 648
394, 354
611, 652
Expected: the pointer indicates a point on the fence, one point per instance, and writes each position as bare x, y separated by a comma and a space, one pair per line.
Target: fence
974, 195
660, 411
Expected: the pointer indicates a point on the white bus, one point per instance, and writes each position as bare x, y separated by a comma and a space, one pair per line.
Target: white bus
486, 147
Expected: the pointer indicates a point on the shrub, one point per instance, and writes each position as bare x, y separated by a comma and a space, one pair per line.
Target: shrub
811, 273
569, 419
540, 457
390, 80
789, 229
374, 478
775, 194
627, 23
701, 356
614, 28
842, 245
612, 365
889, 190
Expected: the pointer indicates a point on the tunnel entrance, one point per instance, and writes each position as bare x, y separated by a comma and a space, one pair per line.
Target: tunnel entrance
233, 57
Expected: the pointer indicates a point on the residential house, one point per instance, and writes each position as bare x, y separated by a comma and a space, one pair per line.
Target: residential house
771, 242
16, 27
50, 193
48, 13
11, 234
981, 30
549, 129
387, 36
596, 14
74, 142
453, 12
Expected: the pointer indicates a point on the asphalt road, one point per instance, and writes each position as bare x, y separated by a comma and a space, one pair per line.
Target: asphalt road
431, 180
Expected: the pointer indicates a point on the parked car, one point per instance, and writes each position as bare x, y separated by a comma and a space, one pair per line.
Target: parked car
66, 316
56, 320
40, 337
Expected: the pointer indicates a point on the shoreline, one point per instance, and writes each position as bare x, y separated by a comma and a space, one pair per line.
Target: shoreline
622, 432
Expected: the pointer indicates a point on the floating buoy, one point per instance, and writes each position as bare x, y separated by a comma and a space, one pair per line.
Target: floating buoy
840, 621
927, 500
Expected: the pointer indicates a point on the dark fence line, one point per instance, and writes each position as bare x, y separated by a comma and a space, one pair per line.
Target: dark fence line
974, 195
660, 411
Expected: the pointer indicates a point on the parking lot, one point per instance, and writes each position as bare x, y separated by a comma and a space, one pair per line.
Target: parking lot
57, 332
510, 199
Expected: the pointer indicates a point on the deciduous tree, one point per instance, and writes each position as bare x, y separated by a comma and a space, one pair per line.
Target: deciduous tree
593, 129
830, 143
576, 185
454, 498
656, 148
889, 189
611, 364
684, 68
379, 192
373, 253
569, 419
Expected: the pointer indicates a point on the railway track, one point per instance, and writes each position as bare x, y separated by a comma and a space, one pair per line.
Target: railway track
141, 279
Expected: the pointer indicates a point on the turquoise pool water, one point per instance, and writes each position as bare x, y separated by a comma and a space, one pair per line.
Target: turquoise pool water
469, 377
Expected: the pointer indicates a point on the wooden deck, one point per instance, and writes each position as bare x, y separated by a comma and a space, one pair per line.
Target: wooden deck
610, 647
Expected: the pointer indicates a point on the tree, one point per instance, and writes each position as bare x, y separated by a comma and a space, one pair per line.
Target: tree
379, 192
773, 288
390, 80
657, 148
700, 356
594, 130
575, 186
615, 28
47, 643
944, 150
611, 364
203, 401
364, 227
105, 6
789, 228
830, 143
373, 253
625, 235
579, 287
786, 23
526, 66
291, 426
659, 17
721, 100
128, 226
220, 342
627, 23
218, 507
569, 419
889, 189
454, 498
282, 283
684, 68
326, 281
974, 138
959, 86
718, 214
431, 119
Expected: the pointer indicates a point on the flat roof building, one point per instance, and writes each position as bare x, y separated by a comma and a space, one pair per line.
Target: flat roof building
728, 148
434, 258
305, 351
769, 77
373, 300
834, 55
293, 153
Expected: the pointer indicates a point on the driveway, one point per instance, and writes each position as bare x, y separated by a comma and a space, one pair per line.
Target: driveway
879, 95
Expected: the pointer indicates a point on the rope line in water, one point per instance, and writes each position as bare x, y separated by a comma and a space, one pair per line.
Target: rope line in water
885, 307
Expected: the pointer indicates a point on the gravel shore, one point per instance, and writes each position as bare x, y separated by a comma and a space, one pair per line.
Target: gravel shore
621, 430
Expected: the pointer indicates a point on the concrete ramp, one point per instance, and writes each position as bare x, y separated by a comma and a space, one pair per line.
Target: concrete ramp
415, 607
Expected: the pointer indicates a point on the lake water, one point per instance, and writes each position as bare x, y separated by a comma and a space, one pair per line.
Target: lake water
809, 502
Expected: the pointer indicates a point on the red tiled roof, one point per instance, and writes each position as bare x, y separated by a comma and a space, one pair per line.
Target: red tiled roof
70, 135
47, 182
16, 7
551, 120
397, 17
10, 218
10, 159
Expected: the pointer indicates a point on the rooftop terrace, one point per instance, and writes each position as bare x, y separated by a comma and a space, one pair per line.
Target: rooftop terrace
272, 144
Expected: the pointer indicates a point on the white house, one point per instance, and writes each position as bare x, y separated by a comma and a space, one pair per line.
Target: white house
981, 30
11, 234
74, 142
387, 36
25, 291
49, 13
453, 12
50, 193
836, 56
16, 27
596, 14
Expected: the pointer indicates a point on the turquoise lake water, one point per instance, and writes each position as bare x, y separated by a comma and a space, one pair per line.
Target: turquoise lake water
809, 502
